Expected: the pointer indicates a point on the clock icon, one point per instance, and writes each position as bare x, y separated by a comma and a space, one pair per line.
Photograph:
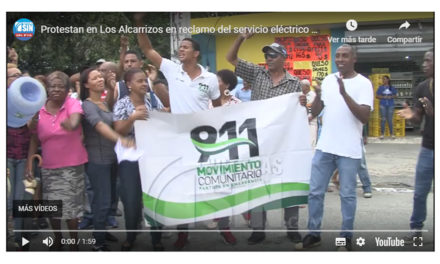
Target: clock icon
351, 25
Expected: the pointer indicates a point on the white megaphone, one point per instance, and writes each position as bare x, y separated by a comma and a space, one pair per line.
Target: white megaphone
26, 96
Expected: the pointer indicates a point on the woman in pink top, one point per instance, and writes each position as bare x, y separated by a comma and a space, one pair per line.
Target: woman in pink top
59, 132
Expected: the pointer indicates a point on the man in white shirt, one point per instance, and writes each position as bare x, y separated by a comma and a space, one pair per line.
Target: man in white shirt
346, 100
191, 87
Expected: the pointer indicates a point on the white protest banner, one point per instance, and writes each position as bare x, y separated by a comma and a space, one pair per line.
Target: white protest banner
224, 161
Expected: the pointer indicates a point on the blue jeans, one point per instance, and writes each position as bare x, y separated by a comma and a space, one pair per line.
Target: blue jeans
89, 193
424, 177
131, 196
115, 192
363, 173
16, 177
323, 166
100, 176
386, 115
114, 196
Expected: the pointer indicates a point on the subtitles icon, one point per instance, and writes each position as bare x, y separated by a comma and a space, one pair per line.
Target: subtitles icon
405, 25
340, 242
48, 241
360, 241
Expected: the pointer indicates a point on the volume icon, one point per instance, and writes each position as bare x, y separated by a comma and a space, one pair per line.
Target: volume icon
48, 241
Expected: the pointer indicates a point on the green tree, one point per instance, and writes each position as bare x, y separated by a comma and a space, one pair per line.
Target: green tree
71, 53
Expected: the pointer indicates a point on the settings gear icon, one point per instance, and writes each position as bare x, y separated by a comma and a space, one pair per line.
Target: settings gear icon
360, 241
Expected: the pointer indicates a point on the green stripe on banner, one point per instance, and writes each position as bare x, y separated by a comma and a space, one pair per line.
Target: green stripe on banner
277, 204
222, 144
197, 209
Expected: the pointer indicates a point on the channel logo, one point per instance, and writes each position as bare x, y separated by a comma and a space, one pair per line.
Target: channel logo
23, 29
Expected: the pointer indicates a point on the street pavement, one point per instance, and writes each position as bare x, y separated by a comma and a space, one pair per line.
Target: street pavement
385, 216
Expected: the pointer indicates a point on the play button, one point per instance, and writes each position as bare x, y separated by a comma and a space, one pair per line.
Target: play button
24, 241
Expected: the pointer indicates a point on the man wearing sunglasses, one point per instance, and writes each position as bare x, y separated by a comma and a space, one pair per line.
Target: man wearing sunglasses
267, 83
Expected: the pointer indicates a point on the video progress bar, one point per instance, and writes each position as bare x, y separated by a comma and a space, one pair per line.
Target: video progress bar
217, 230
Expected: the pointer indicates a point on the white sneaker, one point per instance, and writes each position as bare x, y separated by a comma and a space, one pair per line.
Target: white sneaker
211, 225
368, 195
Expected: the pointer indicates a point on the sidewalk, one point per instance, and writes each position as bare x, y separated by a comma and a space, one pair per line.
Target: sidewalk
391, 165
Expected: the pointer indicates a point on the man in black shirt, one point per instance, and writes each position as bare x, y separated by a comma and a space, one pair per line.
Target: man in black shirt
423, 106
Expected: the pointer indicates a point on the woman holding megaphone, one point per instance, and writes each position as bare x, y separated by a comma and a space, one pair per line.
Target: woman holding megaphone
18, 138
59, 132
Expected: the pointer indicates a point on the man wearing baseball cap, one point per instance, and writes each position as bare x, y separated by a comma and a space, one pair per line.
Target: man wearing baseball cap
267, 83
277, 48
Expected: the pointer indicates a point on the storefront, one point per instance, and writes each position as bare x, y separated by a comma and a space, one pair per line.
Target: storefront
391, 43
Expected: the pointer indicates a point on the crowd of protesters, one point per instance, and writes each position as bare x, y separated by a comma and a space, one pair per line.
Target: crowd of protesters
86, 114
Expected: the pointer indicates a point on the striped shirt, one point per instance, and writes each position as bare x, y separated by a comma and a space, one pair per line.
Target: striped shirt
261, 82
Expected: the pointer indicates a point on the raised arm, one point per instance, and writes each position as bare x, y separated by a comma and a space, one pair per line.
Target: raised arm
122, 50
317, 104
145, 43
233, 51
159, 88
110, 86
361, 112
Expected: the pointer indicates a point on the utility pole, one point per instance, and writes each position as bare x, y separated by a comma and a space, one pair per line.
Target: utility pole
178, 20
